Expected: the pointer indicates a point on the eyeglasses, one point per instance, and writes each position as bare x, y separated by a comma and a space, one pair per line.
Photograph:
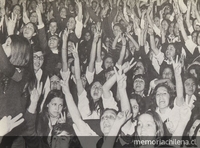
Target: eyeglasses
41, 58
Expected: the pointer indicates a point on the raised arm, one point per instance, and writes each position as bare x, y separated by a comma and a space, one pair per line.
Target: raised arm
79, 84
189, 4
181, 26
179, 84
133, 41
99, 46
79, 24
41, 30
93, 52
64, 50
123, 51
72, 108
152, 41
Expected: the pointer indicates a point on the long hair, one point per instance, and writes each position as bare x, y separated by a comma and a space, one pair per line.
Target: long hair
43, 121
159, 125
98, 105
20, 51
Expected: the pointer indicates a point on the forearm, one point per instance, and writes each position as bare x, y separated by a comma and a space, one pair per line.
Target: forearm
73, 110
115, 42
153, 45
92, 57
122, 54
32, 107
99, 51
108, 85
64, 57
179, 90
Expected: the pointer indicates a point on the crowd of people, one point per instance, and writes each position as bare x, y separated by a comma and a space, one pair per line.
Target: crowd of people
99, 73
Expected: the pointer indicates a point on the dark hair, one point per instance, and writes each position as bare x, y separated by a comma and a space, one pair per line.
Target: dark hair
42, 126
170, 92
140, 101
60, 127
163, 67
94, 105
177, 47
121, 27
103, 111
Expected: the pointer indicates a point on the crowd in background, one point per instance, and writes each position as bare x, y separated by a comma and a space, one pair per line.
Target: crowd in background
114, 71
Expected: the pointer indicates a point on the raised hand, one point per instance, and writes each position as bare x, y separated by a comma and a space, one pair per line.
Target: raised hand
11, 24
62, 118
65, 82
121, 78
75, 51
185, 112
150, 31
65, 35
128, 65
177, 66
36, 92
122, 117
7, 123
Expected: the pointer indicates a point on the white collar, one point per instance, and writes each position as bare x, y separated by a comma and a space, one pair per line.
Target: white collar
164, 116
39, 74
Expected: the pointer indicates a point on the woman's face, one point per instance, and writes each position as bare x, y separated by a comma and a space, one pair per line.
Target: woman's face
63, 13
195, 26
55, 83
170, 52
71, 23
194, 126
164, 25
157, 21
116, 30
167, 73
194, 37
146, 126
176, 29
107, 42
139, 85
139, 68
53, 27
162, 97
135, 107
28, 31
55, 107
87, 36
34, 18
70, 47
167, 9
96, 91
108, 62
61, 140
190, 86
53, 42
107, 121
38, 60
17, 11
7, 47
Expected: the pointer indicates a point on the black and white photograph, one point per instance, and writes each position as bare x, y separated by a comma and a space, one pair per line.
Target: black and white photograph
99, 73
